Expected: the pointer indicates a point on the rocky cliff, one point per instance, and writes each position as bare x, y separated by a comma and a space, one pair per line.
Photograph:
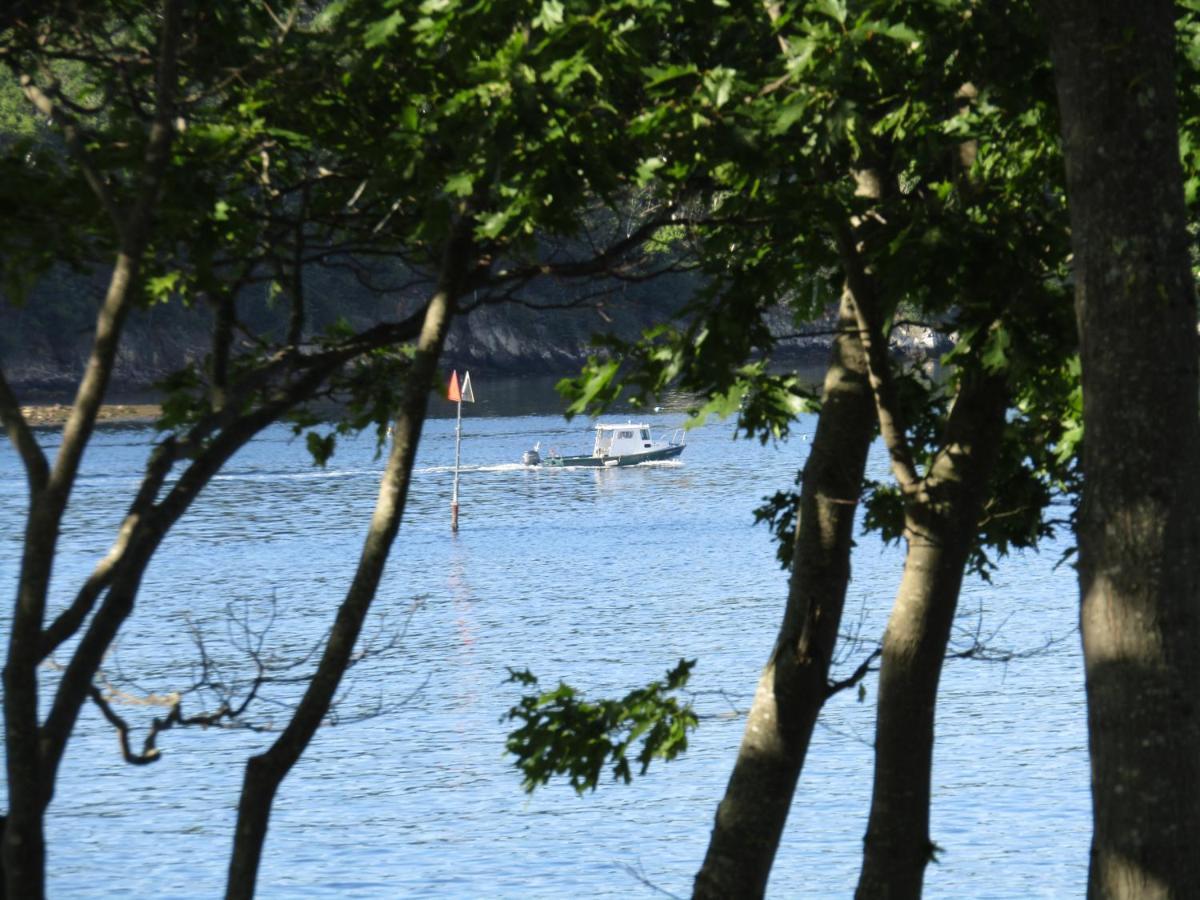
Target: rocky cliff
44, 342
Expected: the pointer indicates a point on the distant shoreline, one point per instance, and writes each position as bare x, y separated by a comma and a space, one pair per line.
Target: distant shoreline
116, 413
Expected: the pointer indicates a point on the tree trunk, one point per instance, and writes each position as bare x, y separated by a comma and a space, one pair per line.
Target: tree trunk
266, 772
794, 685
29, 785
941, 521
1138, 526
24, 841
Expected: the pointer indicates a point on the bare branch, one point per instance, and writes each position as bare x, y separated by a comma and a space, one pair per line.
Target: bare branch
234, 697
864, 669
819, 332
977, 644
734, 711
284, 25
599, 263
103, 699
137, 759
639, 875
232, 430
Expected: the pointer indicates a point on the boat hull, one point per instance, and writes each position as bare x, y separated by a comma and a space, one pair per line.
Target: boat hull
608, 462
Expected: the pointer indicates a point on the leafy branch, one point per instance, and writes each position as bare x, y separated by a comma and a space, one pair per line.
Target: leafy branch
564, 734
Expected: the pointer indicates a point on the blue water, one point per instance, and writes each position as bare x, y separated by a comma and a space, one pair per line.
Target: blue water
601, 578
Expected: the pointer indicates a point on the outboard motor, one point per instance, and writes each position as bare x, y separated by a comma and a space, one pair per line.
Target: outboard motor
532, 457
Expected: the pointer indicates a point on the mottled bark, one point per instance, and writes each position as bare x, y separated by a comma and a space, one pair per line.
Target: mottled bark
1139, 521
794, 685
941, 520
266, 771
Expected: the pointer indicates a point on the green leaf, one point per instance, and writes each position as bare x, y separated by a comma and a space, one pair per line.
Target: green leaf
562, 733
321, 447
460, 185
595, 380
995, 350
161, 287
551, 15
897, 32
834, 9
493, 224
788, 115
646, 169
381, 32
718, 83
660, 76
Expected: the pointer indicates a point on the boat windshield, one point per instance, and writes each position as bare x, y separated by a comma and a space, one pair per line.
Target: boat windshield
604, 440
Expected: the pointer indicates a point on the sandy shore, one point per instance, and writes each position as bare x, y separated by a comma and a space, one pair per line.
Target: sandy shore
56, 413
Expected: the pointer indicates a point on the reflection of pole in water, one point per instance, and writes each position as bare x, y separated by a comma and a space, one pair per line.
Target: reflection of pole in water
460, 591
459, 396
471, 686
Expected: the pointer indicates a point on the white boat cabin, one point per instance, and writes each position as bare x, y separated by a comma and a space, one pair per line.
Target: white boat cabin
622, 440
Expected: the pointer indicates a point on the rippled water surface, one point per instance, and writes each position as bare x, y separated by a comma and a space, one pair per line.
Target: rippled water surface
601, 578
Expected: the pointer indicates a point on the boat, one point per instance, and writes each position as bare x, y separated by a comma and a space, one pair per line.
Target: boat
616, 445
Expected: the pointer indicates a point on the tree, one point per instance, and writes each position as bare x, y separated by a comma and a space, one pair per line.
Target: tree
718, 142
478, 177
181, 130
1139, 520
795, 682
32, 753
266, 771
891, 147
150, 151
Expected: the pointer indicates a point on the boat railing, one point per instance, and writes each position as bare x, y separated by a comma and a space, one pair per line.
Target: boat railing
677, 438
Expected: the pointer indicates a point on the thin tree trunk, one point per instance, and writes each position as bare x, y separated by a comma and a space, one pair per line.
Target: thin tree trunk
941, 521
794, 684
24, 841
118, 576
941, 514
1139, 520
24, 849
266, 771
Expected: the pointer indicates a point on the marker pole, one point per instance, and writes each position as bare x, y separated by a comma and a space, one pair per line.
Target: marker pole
457, 457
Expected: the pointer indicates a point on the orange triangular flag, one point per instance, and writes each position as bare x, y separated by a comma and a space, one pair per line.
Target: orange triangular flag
454, 392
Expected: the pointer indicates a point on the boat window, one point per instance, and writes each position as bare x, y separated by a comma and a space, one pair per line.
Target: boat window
626, 435
645, 434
